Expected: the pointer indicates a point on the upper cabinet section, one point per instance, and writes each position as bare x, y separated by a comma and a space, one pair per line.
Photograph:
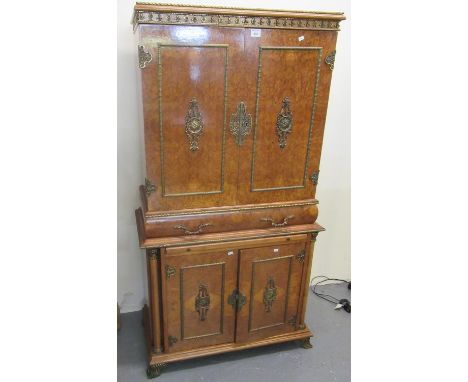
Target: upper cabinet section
234, 104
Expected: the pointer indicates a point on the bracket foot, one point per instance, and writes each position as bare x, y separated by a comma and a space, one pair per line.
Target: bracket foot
305, 343
155, 370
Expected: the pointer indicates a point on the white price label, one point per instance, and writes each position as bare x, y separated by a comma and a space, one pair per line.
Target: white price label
301, 38
255, 32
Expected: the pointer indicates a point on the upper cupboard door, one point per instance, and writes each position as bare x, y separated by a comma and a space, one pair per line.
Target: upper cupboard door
287, 83
186, 86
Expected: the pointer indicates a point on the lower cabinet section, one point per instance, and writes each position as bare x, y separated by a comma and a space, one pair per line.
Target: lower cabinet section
213, 298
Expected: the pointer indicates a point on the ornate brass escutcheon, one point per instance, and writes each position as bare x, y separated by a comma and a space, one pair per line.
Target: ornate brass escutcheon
269, 294
241, 124
237, 300
193, 124
202, 302
284, 123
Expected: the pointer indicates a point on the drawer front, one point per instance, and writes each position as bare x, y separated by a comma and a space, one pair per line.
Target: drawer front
270, 281
195, 293
195, 224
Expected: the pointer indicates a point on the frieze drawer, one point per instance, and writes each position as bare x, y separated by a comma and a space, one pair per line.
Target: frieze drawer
228, 220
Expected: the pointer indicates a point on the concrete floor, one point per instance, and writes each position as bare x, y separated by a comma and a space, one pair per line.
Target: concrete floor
328, 360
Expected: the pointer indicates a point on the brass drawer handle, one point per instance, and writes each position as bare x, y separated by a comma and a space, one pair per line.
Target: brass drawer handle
188, 232
273, 224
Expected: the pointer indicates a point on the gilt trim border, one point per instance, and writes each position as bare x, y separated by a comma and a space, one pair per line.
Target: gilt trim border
149, 217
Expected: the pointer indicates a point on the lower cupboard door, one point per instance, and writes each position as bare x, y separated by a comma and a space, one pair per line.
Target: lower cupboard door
196, 289
270, 279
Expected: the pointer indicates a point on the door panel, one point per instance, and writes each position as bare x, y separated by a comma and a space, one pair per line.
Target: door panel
287, 84
283, 120
196, 293
270, 278
187, 90
193, 106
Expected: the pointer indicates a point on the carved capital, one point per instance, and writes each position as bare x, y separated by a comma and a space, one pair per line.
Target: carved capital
153, 253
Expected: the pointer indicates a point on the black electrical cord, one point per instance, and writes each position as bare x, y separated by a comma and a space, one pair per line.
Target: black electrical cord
346, 304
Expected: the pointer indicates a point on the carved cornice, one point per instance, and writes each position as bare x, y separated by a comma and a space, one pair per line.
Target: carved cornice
149, 13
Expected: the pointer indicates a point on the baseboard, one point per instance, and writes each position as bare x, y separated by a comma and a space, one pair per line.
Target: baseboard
129, 308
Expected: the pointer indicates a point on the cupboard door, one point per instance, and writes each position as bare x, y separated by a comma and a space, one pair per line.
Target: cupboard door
286, 89
270, 279
187, 89
196, 289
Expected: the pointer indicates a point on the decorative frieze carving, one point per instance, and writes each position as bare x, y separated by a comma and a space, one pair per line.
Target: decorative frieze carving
154, 17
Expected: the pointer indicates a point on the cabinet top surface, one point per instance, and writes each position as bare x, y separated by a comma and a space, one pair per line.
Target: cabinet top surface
158, 13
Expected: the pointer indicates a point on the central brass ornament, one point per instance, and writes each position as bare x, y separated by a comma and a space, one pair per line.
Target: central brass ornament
284, 123
193, 124
241, 124
269, 295
202, 302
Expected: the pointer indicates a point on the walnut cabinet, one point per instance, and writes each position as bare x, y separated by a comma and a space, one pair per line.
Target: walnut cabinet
234, 108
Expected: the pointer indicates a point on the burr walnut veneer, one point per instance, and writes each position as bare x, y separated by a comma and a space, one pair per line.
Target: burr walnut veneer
234, 104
